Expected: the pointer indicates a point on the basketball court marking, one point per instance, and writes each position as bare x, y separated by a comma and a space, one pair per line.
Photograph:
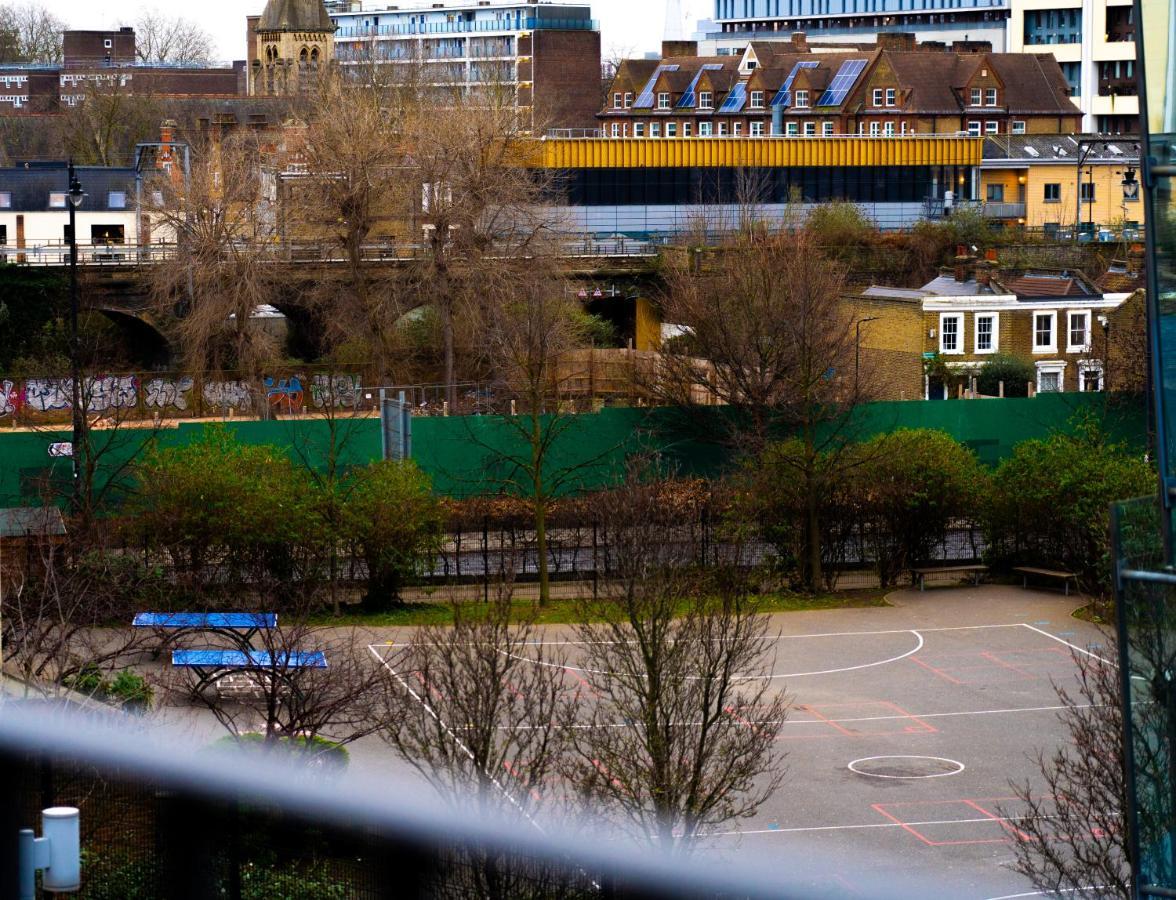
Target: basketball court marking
955, 762
1054, 637
870, 826
1093, 887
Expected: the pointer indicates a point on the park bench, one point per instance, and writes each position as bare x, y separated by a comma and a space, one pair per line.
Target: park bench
975, 571
238, 628
1026, 572
210, 666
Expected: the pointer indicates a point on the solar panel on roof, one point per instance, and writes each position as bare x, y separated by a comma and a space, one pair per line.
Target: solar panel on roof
645, 99
784, 96
736, 99
842, 82
690, 98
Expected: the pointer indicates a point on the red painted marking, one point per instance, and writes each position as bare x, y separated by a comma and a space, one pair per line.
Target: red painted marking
877, 807
510, 768
1007, 826
993, 658
580, 678
820, 718
938, 672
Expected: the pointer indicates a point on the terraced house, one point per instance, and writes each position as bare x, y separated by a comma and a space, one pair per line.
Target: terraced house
794, 89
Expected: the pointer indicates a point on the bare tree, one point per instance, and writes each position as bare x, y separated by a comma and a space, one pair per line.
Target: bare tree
479, 711
104, 127
1073, 837
284, 696
766, 336
527, 336
35, 33
221, 217
678, 731
160, 38
63, 615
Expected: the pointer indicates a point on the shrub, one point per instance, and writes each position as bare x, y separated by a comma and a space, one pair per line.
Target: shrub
841, 225
1015, 372
913, 485
316, 751
1051, 500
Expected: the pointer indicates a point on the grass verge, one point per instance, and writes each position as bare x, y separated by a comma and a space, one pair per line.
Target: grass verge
563, 612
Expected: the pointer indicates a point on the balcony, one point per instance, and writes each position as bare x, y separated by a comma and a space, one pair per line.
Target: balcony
1117, 87
498, 26
998, 210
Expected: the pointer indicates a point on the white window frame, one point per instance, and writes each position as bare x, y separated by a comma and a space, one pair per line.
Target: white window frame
1052, 347
687, 129
802, 99
757, 129
736, 129
875, 129
722, 129
959, 333
827, 129
792, 129
877, 98
974, 129
810, 129
977, 97
891, 96
995, 317
757, 100
1018, 127
990, 97
655, 129
1087, 366
1071, 347
1052, 367
705, 129
992, 127
618, 100
616, 129
663, 100
638, 129
628, 100
888, 129
706, 100
904, 129
671, 129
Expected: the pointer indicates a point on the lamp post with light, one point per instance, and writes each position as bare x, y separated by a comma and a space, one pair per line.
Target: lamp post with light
75, 196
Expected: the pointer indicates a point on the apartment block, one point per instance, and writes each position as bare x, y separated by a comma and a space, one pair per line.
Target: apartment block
737, 22
548, 53
1094, 40
788, 89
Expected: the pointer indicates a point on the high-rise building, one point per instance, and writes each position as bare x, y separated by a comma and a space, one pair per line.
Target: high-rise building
548, 53
1094, 40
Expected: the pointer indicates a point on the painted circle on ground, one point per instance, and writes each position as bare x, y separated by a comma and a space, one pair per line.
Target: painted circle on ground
906, 767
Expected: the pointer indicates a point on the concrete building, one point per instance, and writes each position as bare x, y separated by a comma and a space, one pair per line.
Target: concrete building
785, 89
548, 53
34, 213
738, 22
1094, 40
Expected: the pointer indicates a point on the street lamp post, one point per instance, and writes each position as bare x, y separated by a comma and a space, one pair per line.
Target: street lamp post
1105, 322
75, 196
857, 354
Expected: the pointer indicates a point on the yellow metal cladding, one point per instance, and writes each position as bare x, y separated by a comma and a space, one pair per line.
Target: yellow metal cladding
769, 153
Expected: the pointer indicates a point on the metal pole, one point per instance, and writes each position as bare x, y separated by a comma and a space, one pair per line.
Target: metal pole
74, 362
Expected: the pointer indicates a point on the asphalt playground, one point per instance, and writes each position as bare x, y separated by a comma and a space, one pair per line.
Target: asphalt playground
906, 726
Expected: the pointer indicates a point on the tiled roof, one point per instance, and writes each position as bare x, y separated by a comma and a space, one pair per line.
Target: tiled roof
295, 15
1032, 286
1060, 148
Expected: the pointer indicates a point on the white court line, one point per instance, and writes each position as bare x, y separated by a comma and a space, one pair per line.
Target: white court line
788, 637
456, 740
881, 662
1054, 637
818, 828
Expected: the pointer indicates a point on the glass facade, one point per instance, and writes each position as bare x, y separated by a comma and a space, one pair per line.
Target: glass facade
1142, 530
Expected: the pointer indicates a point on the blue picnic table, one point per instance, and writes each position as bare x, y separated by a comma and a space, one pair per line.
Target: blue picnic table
236, 626
211, 665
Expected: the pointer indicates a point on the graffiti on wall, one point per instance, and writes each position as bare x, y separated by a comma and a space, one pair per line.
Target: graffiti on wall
164, 393
152, 395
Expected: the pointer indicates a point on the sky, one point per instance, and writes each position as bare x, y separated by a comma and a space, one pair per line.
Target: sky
631, 27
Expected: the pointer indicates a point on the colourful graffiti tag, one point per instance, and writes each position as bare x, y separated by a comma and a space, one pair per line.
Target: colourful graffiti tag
11, 399
159, 393
285, 393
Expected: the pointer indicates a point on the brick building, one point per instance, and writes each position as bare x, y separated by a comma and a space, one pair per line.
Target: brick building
792, 89
108, 59
1075, 333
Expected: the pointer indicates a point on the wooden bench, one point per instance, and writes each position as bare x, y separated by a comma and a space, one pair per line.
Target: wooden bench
1065, 577
975, 571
